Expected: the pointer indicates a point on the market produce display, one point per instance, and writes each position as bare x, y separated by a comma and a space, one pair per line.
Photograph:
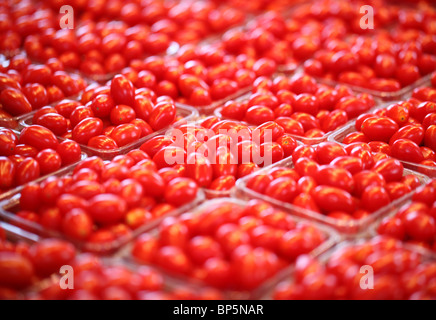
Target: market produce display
187, 149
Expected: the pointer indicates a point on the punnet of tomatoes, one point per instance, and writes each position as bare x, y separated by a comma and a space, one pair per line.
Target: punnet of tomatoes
33, 153
229, 244
31, 270
344, 187
96, 279
400, 273
384, 63
405, 130
415, 222
303, 107
24, 264
26, 87
109, 119
215, 153
108, 36
101, 205
201, 76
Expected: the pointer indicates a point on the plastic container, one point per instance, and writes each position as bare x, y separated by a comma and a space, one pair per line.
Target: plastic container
9, 205
353, 228
372, 232
188, 114
170, 286
383, 95
339, 136
331, 239
65, 169
305, 140
17, 121
324, 258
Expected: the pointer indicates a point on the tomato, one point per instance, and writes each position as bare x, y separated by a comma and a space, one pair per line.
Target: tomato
288, 144
226, 163
86, 129
351, 164
16, 271
36, 94
365, 179
406, 150
7, 173
335, 177
290, 126
173, 260
390, 169
420, 226
393, 227
101, 106
8, 141
66, 107
282, 189
145, 248
69, 151
430, 137
379, 128
27, 171
163, 115
258, 115
38, 137
223, 183
125, 134
270, 152
107, 208
399, 113
412, 132
152, 146
49, 161
181, 191
326, 152
199, 169
102, 142
54, 122
50, 254
122, 90
15, 102
77, 224
374, 198
332, 199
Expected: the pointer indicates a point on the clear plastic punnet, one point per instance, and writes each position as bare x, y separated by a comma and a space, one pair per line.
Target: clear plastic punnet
339, 135
10, 205
185, 112
331, 238
65, 169
348, 228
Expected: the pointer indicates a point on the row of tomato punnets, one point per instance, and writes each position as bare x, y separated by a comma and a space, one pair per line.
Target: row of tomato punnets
198, 274
226, 239
120, 230
407, 133
98, 46
388, 69
37, 262
116, 118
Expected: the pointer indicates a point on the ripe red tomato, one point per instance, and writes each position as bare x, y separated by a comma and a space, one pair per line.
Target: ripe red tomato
86, 129
181, 191
122, 90
333, 199
38, 137
379, 128
407, 150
